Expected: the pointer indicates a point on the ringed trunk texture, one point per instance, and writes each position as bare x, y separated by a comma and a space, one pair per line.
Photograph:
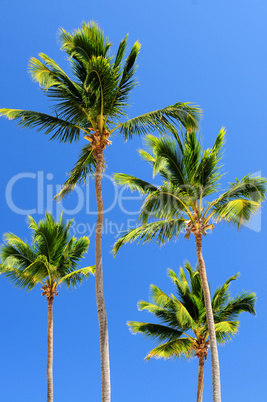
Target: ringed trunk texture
216, 385
49, 371
200, 384
101, 309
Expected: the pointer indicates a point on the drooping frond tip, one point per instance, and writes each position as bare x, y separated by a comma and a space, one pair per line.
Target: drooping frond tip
166, 119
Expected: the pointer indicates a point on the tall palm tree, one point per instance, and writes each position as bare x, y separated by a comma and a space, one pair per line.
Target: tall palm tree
183, 329
50, 260
93, 102
190, 176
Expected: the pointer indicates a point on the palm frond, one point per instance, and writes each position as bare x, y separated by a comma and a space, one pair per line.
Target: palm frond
18, 277
154, 331
183, 316
158, 297
248, 188
181, 283
16, 253
164, 119
224, 330
168, 158
193, 301
133, 183
32, 223
195, 283
102, 82
39, 269
120, 54
90, 38
82, 44
236, 211
50, 238
221, 295
190, 154
207, 173
74, 278
85, 165
50, 74
161, 230
64, 131
166, 314
167, 202
175, 349
127, 83
77, 250
243, 302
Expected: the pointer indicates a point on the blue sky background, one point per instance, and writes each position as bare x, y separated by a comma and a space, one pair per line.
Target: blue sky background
211, 53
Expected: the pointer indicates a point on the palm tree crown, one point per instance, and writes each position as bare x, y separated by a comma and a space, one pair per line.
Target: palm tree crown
51, 259
183, 325
183, 329
94, 99
190, 175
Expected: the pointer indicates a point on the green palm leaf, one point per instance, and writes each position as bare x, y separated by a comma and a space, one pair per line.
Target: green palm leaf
19, 278
243, 302
221, 295
154, 331
133, 183
240, 201
64, 131
86, 164
172, 349
163, 119
49, 74
158, 297
236, 211
225, 329
163, 230
76, 277
127, 83
167, 202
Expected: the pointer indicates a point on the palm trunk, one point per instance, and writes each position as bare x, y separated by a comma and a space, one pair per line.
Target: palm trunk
49, 371
100, 301
200, 384
210, 320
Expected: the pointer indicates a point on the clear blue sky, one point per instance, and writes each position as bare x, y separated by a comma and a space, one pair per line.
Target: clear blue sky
212, 53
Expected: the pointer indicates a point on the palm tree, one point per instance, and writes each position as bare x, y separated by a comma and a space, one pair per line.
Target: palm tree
183, 327
190, 175
50, 260
93, 103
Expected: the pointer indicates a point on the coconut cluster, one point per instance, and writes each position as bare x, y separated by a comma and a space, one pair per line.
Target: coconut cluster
197, 227
49, 292
98, 141
201, 347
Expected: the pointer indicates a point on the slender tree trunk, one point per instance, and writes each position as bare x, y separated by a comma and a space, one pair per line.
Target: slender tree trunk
210, 320
200, 384
49, 371
101, 309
